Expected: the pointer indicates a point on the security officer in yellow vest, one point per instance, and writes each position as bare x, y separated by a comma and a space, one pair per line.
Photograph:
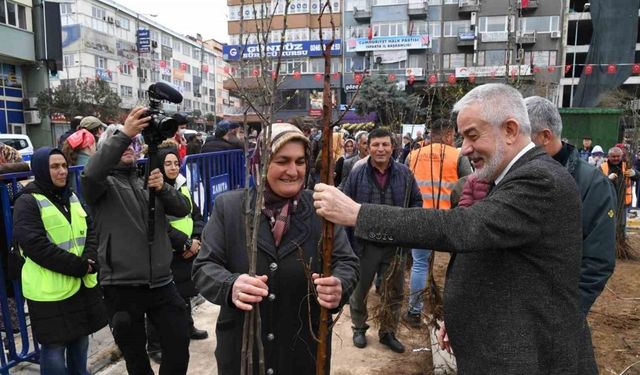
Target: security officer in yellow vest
59, 274
184, 233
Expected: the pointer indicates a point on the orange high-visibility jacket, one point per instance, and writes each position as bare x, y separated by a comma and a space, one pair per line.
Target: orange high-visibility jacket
628, 195
425, 164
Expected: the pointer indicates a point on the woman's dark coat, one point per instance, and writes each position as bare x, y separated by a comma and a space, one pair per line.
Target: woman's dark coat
288, 345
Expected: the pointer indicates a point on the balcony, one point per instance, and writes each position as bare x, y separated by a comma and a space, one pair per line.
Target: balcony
417, 9
468, 6
494, 37
530, 5
466, 38
362, 15
526, 37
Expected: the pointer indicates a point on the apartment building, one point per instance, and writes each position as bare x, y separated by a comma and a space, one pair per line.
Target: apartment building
130, 51
302, 64
440, 41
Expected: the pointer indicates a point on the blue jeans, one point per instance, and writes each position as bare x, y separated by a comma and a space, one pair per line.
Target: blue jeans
418, 281
52, 358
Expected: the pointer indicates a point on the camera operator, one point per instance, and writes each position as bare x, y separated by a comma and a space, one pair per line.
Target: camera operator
135, 274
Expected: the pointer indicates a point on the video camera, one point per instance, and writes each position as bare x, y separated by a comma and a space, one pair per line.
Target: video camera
161, 126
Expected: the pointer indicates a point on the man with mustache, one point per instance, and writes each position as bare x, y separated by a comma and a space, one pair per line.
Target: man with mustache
511, 300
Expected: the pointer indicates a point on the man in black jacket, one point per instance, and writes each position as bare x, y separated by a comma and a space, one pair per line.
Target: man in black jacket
598, 200
511, 300
225, 138
135, 272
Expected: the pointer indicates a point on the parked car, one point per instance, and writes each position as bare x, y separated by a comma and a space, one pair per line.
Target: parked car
20, 142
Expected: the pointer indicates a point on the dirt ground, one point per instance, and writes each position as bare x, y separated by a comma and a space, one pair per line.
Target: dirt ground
615, 319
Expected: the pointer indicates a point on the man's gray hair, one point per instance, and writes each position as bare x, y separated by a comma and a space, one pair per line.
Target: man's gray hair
498, 102
615, 150
543, 115
360, 134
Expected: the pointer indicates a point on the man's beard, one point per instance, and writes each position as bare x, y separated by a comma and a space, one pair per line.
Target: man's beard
488, 172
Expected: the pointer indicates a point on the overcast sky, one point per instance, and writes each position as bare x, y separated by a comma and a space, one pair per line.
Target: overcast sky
207, 17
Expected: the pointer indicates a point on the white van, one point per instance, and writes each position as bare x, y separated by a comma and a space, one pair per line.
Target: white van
20, 142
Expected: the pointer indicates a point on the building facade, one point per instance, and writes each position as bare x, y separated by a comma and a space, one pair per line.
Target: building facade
302, 66
414, 42
129, 50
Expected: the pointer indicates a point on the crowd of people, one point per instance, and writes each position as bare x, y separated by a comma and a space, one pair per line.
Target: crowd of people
528, 218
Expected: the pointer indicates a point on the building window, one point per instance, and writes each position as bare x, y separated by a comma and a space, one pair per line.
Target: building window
316, 7
125, 69
187, 103
155, 76
100, 62
494, 24
317, 65
187, 86
166, 77
389, 29
540, 58
418, 28
290, 35
452, 28
292, 66
356, 63
99, 13
126, 91
166, 40
68, 60
389, 2
544, 24
13, 14
456, 60
123, 23
186, 50
492, 58
314, 34
66, 8
350, 5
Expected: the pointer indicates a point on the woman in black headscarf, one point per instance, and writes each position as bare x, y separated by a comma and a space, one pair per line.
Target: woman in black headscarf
184, 233
59, 274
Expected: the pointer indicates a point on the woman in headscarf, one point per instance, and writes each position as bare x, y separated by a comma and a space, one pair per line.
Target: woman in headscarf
78, 147
288, 237
59, 274
184, 233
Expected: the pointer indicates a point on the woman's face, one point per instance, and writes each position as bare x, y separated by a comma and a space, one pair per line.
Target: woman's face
171, 166
348, 148
58, 170
287, 169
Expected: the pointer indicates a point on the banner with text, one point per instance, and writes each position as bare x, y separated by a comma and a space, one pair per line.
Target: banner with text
388, 43
307, 48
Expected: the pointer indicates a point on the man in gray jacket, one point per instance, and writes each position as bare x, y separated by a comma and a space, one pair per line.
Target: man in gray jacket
598, 200
511, 300
135, 274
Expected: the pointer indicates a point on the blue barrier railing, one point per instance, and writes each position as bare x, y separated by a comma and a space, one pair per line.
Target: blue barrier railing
201, 171
201, 168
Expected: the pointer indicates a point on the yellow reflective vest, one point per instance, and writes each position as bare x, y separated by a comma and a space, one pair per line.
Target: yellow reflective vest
40, 283
183, 224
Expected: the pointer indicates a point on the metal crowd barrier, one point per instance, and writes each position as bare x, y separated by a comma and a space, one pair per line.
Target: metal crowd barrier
211, 173
207, 175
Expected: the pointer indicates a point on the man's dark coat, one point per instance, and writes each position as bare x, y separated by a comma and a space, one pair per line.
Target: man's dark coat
511, 298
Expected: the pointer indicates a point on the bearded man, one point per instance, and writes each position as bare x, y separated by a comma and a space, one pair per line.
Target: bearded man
511, 300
